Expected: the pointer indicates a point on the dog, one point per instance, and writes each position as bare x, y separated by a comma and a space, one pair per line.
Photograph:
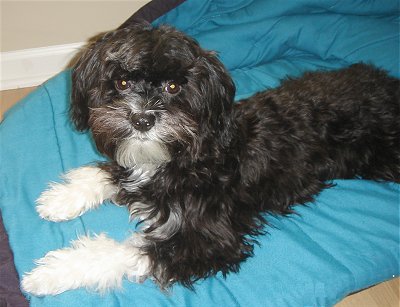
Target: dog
197, 169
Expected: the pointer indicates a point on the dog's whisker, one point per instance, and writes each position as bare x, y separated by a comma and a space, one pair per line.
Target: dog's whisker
112, 107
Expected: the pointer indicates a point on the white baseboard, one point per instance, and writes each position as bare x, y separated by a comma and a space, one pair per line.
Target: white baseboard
31, 67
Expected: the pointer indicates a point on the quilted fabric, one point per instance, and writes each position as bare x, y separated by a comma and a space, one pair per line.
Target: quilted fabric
345, 241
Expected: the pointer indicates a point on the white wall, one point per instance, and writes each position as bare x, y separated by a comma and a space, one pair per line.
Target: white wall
38, 38
30, 24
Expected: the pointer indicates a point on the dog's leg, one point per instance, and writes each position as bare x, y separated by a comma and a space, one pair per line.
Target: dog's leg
83, 189
97, 263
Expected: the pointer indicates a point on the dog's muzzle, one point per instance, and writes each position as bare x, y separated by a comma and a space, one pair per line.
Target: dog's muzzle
143, 122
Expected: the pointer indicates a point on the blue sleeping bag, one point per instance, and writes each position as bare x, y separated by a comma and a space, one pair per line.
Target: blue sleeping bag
346, 241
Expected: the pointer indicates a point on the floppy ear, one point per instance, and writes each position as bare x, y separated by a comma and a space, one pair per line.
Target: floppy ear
213, 103
84, 74
221, 85
218, 90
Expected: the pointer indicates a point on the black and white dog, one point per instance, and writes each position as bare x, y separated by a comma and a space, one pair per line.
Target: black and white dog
199, 170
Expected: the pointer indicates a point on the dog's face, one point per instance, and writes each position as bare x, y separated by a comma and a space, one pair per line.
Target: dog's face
147, 93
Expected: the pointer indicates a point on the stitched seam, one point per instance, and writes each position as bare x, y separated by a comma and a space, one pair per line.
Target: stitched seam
54, 128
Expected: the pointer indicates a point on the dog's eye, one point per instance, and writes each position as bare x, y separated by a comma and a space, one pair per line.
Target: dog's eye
172, 88
122, 84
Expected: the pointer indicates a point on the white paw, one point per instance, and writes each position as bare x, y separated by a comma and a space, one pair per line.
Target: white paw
84, 189
47, 278
97, 263
60, 203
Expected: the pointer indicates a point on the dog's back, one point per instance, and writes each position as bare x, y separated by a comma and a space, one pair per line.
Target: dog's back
321, 126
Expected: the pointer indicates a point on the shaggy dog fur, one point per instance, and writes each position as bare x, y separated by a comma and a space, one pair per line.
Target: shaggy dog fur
200, 170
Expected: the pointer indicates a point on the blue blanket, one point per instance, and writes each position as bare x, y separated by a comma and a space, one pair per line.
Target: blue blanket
345, 241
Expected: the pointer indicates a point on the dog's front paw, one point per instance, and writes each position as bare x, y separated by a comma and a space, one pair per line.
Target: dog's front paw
60, 203
84, 188
48, 278
98, 263
55, 204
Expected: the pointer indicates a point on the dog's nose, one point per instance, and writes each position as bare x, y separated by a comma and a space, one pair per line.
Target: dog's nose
143, 122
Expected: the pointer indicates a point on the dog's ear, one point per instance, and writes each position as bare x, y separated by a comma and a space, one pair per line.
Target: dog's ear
213, 103
221, 85
84, 74
217, 90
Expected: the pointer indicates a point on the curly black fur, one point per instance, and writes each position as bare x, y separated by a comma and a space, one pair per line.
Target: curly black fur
226, 163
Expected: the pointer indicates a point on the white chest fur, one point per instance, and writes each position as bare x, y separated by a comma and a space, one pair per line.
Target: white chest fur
132, 152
